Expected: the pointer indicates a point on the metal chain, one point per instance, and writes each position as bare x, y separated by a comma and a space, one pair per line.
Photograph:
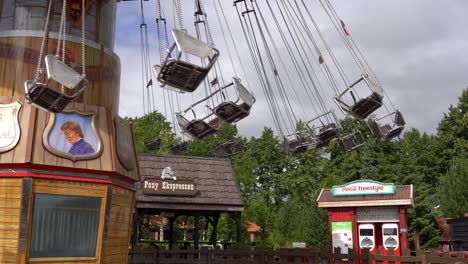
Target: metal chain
61, 30
160, 19
179, 14
83, 29
44, 37
208, 30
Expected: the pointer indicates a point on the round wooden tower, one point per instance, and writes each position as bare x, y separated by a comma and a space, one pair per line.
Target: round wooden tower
66, 177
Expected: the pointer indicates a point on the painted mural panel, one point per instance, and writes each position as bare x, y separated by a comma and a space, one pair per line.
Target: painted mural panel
73, 135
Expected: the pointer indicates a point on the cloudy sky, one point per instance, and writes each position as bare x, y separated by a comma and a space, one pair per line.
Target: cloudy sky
417, 48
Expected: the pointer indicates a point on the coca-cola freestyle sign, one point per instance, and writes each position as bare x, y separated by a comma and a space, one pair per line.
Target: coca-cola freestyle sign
363, 187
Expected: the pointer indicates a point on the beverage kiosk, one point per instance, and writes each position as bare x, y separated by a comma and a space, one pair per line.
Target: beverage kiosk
372, 214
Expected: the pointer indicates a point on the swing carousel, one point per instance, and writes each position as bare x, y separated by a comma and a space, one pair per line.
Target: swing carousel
67, 160
307, 87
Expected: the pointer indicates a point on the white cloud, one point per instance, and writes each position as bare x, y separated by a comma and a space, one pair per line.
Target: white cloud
417, 48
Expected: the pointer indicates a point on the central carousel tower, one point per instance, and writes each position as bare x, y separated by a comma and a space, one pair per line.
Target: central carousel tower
67, 160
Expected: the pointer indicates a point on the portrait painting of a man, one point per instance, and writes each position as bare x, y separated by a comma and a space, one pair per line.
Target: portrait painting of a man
73, 136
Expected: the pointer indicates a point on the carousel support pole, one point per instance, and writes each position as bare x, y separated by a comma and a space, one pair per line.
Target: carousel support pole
214, 233
238, 218
171, 231
196, 235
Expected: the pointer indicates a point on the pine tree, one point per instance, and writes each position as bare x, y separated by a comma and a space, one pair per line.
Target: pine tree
453, 190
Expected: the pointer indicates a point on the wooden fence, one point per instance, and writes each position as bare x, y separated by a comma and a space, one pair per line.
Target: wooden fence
287, 256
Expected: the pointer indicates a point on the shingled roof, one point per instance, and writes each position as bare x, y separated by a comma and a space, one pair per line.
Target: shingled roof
218, 189
403, 196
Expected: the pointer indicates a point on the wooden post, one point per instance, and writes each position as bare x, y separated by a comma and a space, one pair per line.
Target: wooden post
171, 231
416, 239
214, 232
403, 228
135, 227
196, 234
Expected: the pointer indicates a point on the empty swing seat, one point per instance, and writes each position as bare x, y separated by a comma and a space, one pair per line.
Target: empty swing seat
230, 111
183, 75
44, 96
387, 131
352, 141
367, 105
364, 106
328, 132
298, 143
199, 128
154, 144
179, 149
228, 148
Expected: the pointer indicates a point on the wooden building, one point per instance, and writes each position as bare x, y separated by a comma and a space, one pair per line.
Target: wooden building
459, 233
173, 186
366, 214
61, 202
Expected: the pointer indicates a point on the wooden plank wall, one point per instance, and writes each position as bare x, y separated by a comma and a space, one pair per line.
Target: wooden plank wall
18, 63
119, 226
22, 151
10, 209
80, 189
43, 157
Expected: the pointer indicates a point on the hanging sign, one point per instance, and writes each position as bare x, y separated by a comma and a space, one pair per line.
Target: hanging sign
154, 186
168, 185
124, 143
9, 126
363, 187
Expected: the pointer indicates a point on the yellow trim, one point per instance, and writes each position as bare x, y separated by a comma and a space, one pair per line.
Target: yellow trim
68, 259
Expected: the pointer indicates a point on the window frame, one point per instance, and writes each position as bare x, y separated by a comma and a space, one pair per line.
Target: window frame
83, 191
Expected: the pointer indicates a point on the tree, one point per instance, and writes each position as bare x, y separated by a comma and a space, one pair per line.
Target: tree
453, 190
452, 133
150, 127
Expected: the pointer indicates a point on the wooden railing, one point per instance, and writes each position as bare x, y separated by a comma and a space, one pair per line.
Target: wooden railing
286, 256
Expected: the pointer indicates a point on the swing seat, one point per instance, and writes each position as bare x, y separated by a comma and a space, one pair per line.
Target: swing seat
198, 128
324, 128
154, 144
366, 106
295, 147
328, 132
352, 141
184, 75
179, 149
360, 108
298, 143
44, 96
232, 112
157, 70
387, 131
228, 149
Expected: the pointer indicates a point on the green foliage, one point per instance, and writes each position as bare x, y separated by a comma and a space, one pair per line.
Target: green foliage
150, 127
453, 190
452, 133
227, 228
300, 220
280, 191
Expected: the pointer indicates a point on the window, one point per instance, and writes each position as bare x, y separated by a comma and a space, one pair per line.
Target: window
64, 226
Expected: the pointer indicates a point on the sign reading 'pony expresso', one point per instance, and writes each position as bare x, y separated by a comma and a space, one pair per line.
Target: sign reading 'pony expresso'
154, 186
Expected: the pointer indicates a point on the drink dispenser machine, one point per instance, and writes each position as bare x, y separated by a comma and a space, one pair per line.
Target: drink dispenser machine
367, 237
390, 238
